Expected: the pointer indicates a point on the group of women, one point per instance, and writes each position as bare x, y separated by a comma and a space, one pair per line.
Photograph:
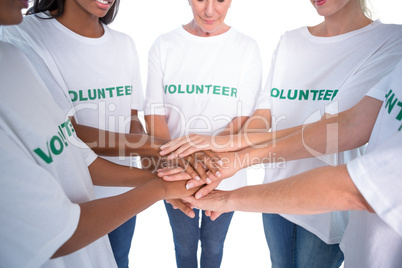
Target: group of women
205, 78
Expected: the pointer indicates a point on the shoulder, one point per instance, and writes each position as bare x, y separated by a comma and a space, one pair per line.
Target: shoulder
9, 53
242, 37
30, 25
171, 35
389, 36
295, 33
117, 35
169, 39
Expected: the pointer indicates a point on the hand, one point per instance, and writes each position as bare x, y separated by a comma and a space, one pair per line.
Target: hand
185, 207
213, 214
196, 165
216, 202
229, 168
175, 189
192, 143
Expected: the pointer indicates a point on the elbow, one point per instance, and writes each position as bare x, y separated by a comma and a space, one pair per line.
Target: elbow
357, 202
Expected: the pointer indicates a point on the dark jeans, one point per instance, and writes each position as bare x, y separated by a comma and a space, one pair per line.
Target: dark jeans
120, 240
187, 232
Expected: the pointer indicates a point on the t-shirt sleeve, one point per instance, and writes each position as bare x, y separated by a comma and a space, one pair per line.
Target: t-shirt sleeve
154, 102
382, 87
43, 64
36, 215
371, 72
263, 100
250, 81
377, 175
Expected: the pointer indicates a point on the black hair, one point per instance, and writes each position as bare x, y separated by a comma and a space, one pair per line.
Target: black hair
47, 6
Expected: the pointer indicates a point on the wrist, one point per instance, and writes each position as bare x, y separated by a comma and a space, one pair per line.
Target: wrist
231, 201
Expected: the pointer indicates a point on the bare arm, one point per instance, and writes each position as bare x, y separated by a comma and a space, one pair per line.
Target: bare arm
345, 131
106, 173
108, 143
348, 130
254, 131
101, 216
316, 191
135, 125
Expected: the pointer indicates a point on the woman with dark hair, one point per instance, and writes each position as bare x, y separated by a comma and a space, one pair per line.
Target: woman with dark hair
48, 214
93, 74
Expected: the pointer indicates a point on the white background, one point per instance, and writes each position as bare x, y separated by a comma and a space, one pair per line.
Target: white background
265, 21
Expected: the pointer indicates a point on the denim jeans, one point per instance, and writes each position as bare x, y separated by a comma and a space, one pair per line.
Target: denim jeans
293, 246
187, 232
120, 240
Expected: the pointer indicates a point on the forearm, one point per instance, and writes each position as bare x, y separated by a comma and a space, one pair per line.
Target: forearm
101, 216
346, 131
106, 173
107, 143
259, 139
316, 191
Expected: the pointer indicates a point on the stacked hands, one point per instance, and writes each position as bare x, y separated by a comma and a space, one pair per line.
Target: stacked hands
202, 161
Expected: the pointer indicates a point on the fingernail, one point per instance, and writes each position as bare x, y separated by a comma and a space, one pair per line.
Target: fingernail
198, 196
218, 174
163, 147
209, 180
197, 178
220, 162
189, 185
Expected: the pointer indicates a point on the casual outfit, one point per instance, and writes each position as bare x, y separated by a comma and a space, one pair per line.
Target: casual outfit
44, 174
375, 239
311, 76
95, 79
200, 84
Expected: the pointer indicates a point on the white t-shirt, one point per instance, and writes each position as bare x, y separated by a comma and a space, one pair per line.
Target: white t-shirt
313, 75
202, 83
43, 175
99, 77
375, 240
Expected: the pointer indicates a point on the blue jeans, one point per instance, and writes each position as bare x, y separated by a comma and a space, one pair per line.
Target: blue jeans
293, 246
187, 232
120, 240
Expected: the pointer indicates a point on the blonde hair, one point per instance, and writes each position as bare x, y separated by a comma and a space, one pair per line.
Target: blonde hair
365, 9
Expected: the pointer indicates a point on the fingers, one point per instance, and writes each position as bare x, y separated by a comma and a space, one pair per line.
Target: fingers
206, 189
181, 176
184, 146
173, 145
193, 183
196, 166
186, 167
212, 162
169, 171
214, 215
184, 207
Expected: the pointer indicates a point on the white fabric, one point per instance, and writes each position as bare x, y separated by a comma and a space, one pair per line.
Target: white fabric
375, 240
202, 83
99, 77
43, 175
313, 75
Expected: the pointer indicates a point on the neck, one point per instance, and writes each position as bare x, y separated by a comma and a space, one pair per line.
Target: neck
79, 21
340, 23
194, 29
